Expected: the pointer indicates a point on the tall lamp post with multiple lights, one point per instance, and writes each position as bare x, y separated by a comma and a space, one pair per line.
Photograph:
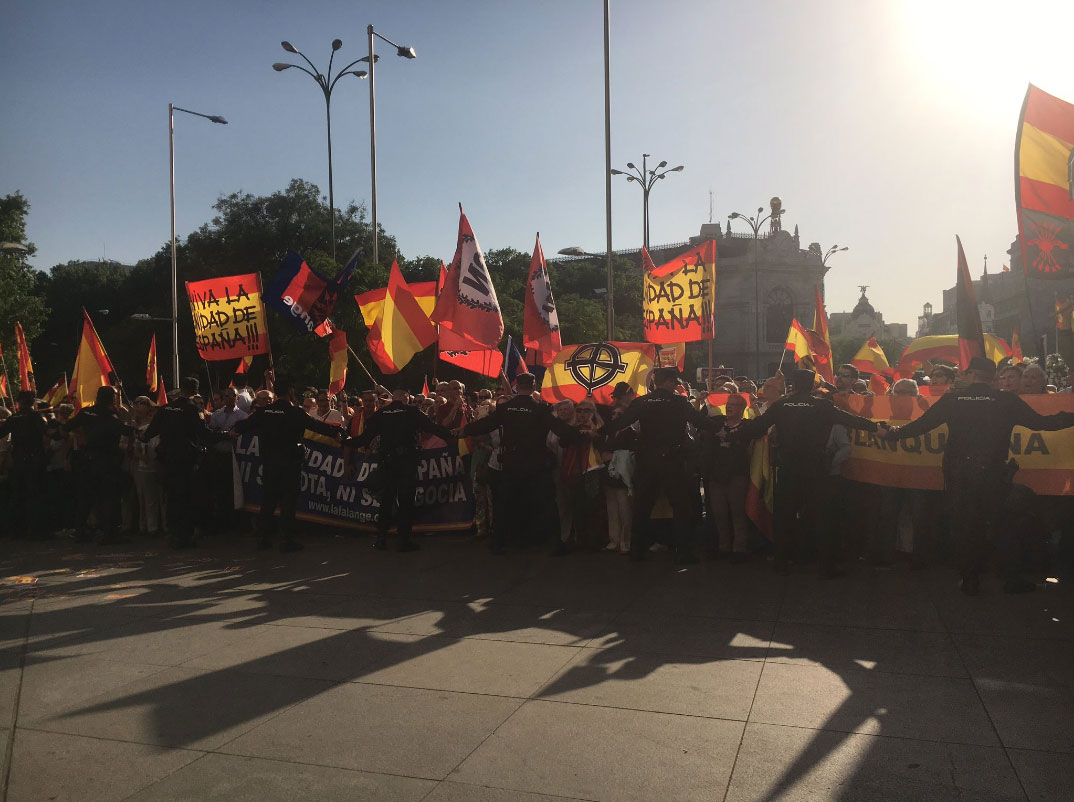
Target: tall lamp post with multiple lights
175, 273
755, 224
403, 52
326, 83
646, 179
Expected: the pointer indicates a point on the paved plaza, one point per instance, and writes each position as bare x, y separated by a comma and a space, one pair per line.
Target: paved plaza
450, 675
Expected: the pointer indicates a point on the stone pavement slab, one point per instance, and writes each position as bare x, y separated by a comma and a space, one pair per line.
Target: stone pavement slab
1046, 776
70, 768
600, 753
230, 778
407, 731
1030, 716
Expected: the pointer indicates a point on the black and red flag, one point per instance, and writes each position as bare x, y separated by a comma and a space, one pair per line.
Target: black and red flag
1044, 185
304, 296
970, 334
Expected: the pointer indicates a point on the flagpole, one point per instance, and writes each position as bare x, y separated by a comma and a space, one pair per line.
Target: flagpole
7, 378
361, 365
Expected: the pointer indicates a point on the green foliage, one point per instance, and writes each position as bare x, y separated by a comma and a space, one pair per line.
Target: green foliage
20, 299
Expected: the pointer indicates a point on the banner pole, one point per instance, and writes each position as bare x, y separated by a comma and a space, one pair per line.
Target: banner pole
10, 392
708, 378
361, 365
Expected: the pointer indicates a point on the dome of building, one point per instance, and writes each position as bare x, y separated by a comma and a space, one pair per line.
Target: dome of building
863, 308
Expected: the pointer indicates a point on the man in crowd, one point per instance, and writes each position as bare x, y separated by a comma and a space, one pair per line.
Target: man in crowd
662, 461
280, 426
524, 495
941, 379
397, 427
27, 429
219, 486
98, 465
182, 432
803, 424
977, 475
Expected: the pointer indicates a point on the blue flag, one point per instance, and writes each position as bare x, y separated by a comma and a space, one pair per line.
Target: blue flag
513, 363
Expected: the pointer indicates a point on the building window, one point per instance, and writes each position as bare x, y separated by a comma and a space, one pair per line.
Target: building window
779, 311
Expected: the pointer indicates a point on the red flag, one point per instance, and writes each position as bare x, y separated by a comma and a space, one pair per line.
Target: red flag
468, 304
540, 327
425, 385
93, 368
970, 335
151, 377
337, 352
822, 356
26, 367
1016, 348
878, 385
57, 393
162, 395
402, 330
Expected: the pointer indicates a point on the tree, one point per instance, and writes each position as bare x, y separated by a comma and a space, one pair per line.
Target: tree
20, 298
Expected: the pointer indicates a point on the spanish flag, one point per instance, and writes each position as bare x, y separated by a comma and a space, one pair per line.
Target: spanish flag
798, 341
592, 370
822, 350
57, 393
151, 376
945, 347
403, 328
371, 303
93, 368
871, 358
761, 492
26, 367
1016, 348
337, 351
1044, 185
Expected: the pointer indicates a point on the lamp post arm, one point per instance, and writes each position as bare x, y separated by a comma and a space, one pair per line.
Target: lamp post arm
385, 38
195, 113
343, 72
315, 72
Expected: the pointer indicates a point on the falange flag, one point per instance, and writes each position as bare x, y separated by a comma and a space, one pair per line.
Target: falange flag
468, 305
305, 297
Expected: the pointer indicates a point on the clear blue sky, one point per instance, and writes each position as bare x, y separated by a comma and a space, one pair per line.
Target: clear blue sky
888, 127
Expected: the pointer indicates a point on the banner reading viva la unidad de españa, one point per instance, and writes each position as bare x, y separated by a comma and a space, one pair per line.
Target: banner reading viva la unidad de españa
679, 297
1045, 459
229, 318
443, 499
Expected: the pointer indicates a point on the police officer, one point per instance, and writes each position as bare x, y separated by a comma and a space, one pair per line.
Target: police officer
803, 424
280, 426
396, 427
98, 465
663, 461
182, 432
524, 494
977, 478
28, 430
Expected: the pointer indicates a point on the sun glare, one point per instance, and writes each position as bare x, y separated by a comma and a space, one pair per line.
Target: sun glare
978, 54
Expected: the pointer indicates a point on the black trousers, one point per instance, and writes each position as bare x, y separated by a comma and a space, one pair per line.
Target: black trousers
180, 497
798, 499
280, 483
25, 483
977, 497
525, 504
671, 477
399, 479
98, 491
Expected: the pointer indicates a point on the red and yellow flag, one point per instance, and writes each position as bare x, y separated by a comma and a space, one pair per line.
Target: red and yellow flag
229, 316
871, 358
822, 349
337, 351
1016, 348
26, 367
1044, 185
403, 328
592, 371
57, 393
151, 377
967, 315
798, 341
93, 368
679, 297
945, 347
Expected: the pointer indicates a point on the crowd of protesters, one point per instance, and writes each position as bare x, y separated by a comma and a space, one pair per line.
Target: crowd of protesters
109, 472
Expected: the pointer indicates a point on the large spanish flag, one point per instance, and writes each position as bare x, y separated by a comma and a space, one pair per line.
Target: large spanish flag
93, 368
337, 352
403, 329
371, 304
822, 350
871, 358
944, 347
151, 376
1044, 185
592, 370
798, 341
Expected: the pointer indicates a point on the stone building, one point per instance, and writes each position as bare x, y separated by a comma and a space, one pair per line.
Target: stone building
864, 322
1006, 301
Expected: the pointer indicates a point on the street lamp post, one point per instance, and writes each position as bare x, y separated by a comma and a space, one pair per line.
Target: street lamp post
326, 83
646, 179
403, 52
215, 118
755, 224
824, 264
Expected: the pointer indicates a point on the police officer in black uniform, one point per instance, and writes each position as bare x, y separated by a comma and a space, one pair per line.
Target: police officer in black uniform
977, 478
182, 433
280, 426
396, 428
525, 495
803, 424
28, 430
663, 461
98, 465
